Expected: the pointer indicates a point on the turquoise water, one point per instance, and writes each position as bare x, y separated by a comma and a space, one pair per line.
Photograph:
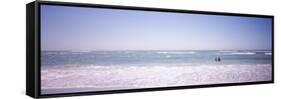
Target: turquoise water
55, 58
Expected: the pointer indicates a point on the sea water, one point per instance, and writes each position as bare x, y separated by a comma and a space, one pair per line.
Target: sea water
54, 58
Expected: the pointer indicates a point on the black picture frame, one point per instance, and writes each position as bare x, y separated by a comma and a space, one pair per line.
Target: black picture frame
33, 82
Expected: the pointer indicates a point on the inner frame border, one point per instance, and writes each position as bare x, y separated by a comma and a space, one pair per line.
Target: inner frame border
71, 4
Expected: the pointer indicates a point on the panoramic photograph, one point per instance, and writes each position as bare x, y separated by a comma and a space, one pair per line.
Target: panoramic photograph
101, 49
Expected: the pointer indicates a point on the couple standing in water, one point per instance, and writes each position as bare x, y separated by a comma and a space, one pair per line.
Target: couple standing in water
217, 59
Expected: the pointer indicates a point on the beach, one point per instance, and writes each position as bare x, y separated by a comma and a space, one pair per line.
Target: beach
101, 78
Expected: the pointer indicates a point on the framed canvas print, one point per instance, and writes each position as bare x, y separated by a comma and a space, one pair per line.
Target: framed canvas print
85, 49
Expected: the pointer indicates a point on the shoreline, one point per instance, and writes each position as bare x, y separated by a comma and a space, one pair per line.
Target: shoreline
102, 78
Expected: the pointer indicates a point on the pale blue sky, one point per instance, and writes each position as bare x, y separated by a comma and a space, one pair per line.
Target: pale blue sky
80, 28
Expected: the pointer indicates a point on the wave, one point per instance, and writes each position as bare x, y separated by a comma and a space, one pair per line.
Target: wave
230, 52
168, 56
227, 51
268, 53
243, 53
176, 52
264, 51
237, 53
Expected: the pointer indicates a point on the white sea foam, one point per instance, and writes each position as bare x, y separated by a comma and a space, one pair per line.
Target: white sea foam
232, 52
175, 52
263, 51
168, 56
243, 53
268, 53
237, 53
227, 51
98, 78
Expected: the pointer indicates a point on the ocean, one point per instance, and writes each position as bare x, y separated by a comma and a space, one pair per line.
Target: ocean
80, 71
53, 58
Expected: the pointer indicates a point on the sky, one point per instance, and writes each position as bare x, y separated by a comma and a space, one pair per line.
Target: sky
81, 28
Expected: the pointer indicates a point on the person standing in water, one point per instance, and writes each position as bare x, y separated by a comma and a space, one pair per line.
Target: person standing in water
219, 59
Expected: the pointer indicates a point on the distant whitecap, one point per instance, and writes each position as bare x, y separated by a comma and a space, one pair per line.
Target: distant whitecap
243, 53
268, 53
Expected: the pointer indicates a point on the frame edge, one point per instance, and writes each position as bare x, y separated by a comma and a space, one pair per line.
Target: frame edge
32, 27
